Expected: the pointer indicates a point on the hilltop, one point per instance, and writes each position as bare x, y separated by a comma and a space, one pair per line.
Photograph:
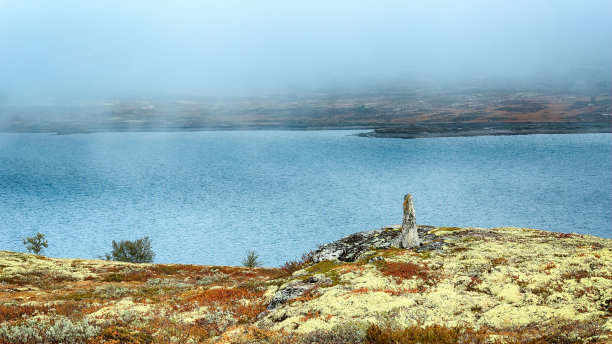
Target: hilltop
506, 285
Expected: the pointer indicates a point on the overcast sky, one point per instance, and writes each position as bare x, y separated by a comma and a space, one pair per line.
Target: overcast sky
102, 48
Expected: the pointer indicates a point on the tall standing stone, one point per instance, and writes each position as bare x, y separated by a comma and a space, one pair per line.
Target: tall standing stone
409, 237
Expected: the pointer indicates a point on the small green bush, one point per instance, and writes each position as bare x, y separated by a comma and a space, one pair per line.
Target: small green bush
251, 260
35, 244
138, 251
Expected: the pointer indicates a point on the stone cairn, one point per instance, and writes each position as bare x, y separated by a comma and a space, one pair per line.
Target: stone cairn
350, 249
409, 236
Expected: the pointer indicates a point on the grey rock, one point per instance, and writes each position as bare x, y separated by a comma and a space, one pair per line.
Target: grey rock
410, 235
296, 289
356, 246
289, 292
320, 279
351, 247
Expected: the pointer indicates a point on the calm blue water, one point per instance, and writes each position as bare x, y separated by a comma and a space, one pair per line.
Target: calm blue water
209, 197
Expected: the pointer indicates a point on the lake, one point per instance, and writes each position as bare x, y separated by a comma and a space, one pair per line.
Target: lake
209, 197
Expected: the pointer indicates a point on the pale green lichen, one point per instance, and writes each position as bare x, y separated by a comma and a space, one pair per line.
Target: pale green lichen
501, 278
31, 267
125, 311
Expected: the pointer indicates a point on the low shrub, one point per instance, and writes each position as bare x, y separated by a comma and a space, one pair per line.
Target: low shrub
45, 330
65, 331
112, 291
254, 335
560, 331
242, 304
401, 271
434, 334
136, 276
122, 335
166, 269
576, 274
292, 266
9, 313
216, 322
138, 251
474, 281
251, 260
213, 277
36, 244
340, 334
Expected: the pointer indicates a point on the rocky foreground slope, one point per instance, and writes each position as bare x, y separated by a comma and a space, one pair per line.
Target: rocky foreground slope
470, 285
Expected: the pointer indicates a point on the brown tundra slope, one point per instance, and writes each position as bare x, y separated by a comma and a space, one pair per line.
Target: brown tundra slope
464, 285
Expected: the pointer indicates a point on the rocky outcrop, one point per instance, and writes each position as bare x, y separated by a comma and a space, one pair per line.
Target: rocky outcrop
296, 289
352, 247
510, 281
288, 293
348, 249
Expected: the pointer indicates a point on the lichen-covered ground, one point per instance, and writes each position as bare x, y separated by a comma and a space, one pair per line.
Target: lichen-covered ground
505, 285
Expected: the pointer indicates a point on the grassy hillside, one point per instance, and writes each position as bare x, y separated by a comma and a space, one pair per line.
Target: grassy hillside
506, 285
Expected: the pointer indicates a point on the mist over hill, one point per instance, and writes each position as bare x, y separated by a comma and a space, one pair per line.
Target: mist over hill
149, 65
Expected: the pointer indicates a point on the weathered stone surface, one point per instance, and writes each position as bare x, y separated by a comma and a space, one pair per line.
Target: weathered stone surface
320, 279
296, 289
352, 247
349, 248
410, 235
289, 292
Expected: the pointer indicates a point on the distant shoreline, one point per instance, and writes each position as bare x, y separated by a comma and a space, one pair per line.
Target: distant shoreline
417, 130
174, 130
487, 129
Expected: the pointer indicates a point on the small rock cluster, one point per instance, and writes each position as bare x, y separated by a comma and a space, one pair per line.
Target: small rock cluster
352, 247
296, 289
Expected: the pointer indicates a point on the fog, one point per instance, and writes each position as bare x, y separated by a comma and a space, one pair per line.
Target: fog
102, 49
